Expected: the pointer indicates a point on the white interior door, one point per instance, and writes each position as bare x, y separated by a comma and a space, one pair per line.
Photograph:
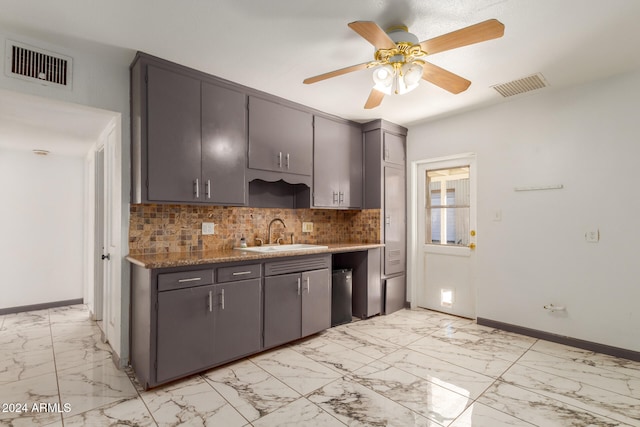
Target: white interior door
99, 249
112, 263
446, 233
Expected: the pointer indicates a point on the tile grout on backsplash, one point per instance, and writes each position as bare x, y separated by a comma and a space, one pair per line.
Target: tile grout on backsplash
157, 228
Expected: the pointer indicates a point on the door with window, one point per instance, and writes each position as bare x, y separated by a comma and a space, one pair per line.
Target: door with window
447, 235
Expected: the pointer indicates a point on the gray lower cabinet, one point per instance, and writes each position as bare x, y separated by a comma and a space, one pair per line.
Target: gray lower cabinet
185, 331
203, 326
337, 164
297, 298
316, 301
282, 309
237, 315
185, 320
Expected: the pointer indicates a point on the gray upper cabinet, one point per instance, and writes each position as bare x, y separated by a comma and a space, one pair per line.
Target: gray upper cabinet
173, 129
337, 164
224, 148
189, 136
394, 148
280, 138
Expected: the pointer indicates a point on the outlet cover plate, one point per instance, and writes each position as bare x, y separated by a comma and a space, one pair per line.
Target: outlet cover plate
307, 227
208, 228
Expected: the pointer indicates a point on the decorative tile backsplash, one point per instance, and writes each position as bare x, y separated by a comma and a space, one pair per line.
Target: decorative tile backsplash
178, 228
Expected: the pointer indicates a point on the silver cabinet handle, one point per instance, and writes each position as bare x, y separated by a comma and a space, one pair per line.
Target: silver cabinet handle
340, 197
210, 301
222, 299
241, 273
280, 159
308, 285
193, 279
208, 189
388, 220
298, 286
287, 160
196, 188
335, 197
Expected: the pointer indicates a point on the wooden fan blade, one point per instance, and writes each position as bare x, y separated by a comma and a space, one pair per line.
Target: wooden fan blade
443, 78
335, 73
375, 98
487, 30
371, 32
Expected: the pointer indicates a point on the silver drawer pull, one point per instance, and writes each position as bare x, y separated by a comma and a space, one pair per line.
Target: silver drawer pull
210, 301
241, 273
298, 286
308, 285
193, 279
222, 299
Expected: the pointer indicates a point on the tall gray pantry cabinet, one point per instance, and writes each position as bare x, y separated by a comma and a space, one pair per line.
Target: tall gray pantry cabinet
385, 189
189, 136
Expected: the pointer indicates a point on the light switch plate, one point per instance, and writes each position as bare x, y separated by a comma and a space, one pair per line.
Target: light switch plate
307, 227
208, 228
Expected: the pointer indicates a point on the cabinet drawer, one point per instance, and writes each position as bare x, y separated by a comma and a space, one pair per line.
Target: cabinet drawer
184, 279
238, 272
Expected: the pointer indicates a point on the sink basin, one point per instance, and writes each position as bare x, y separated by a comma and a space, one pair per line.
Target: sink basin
281, 248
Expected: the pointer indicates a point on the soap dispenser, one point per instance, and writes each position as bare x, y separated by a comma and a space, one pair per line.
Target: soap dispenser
243, 242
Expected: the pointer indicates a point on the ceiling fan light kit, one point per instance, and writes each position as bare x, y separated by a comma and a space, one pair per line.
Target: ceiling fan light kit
399, 58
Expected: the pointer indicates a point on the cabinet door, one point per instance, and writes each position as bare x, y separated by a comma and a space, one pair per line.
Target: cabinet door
237, 319
224, 145
330, 164
316, 301
351, 186
282, 309
394, 220
393, 148
185, 331
280, 138
173, 136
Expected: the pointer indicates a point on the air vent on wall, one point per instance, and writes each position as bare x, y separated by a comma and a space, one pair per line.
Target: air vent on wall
38, 65
526, 84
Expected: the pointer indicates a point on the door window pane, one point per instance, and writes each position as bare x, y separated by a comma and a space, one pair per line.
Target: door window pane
448, 206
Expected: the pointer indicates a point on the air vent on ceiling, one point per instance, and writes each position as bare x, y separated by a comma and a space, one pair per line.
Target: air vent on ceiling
38, 65
526, 84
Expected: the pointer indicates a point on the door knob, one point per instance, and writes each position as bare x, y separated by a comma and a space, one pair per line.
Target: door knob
107, 256
473, 232
472, 245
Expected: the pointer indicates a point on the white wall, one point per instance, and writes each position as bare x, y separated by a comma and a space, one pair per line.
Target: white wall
587, 139
42, 208
101, 80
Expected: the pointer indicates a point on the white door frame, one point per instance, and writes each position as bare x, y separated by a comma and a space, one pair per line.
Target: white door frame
110, 142
414, 274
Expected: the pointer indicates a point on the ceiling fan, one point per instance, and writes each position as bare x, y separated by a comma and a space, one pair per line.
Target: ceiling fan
399, 58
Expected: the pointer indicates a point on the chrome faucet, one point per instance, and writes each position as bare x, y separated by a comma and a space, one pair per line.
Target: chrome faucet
269, 230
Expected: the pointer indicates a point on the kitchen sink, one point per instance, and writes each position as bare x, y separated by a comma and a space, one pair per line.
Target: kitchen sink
282, 248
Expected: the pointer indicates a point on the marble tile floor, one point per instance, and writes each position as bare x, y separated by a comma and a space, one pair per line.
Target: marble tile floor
410, 368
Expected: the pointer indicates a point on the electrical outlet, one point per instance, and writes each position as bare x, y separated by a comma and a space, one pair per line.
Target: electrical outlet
592, 236
307, 227
208, 228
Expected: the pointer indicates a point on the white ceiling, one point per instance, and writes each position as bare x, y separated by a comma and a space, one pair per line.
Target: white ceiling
273, 45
